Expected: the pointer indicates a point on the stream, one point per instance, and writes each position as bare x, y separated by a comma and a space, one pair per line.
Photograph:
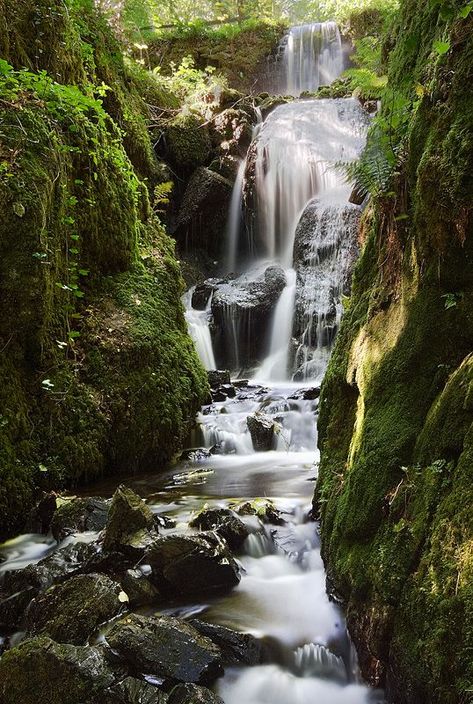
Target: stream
304, 229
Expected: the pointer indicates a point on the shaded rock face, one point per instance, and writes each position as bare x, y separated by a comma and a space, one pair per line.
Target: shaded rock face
187, 146
242, 309
131, 526
70, 612
236, 648
325, 251
225, 522
202, 218
130, 691
193, 694
78, 515
40, 669
232, 131
167, 648
192, 565
262, 431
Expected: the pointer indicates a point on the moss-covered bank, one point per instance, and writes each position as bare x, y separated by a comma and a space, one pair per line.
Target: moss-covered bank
98, 373
395, 487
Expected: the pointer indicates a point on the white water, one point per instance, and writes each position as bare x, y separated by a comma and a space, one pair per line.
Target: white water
313, 57
235, 218
275, 366
198, 326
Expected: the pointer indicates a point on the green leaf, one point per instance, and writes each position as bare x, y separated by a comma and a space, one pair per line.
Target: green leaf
79, 294
441, 47
465, 11
42, 468
73, 334
84, 272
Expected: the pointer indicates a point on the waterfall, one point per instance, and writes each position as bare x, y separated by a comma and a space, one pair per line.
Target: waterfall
290, 221
198, 326
313, 57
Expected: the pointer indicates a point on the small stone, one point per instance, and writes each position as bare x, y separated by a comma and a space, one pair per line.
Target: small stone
262, 431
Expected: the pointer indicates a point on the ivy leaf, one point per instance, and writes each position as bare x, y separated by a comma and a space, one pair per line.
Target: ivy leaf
441, 47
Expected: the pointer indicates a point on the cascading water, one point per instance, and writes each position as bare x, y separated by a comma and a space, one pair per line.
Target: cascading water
313, 57
198, 326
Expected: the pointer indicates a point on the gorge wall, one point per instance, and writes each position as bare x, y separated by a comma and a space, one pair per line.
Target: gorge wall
98, 372
395, 430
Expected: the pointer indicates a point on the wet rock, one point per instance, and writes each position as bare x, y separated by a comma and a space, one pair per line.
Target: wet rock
77, 515
218, 377
262, 430
236, 648
19, 587
225, 522
357, 197
242, 309
264, 509
198, 454
167, 648
52, 673
193, 694
163, 521
130, 528
306, 394
40, 517
192, 565
130, 691
202, 217
139, 589
202, 293
71, 611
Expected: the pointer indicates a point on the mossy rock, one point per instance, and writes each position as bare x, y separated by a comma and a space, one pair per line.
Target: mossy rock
130, 524
188, 144
70, 612
56, 672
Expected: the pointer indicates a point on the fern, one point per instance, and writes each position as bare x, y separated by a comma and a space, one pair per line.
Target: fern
161, 195
372, 174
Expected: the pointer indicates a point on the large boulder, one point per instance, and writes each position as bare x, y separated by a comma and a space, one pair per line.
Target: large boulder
167, 648
202, 217
131, 526
77, 515
139, 588
193, 694
187, 145
52, 673
225, 522
242, 311
236, 648
70, 612
262, 430
19, 587
232, 131
195, 565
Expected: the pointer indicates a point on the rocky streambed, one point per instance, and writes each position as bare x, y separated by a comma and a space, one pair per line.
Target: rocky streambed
211, 590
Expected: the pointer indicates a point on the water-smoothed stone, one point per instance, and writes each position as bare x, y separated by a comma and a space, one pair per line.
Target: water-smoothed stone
71, 611
225, 522
193, 694
130, 527
262, 430
77, 515
42, 670
194, 565
202, 293
167, 648
130, 691
237, 648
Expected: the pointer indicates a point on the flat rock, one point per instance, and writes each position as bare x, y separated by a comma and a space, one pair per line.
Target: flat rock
70, 612
194, 565
236, 648
167, 648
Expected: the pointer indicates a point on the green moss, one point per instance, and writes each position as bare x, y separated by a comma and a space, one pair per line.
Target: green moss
94, 381
396, 412
188, 144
